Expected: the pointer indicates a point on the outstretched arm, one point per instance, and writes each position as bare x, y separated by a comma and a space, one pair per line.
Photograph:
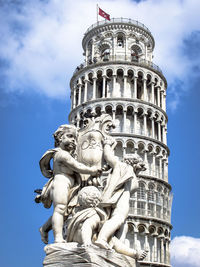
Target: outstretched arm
67, 160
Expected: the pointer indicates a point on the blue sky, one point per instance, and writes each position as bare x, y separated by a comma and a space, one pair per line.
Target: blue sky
40, 48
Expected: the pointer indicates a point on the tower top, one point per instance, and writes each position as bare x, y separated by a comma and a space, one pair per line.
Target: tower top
116, 24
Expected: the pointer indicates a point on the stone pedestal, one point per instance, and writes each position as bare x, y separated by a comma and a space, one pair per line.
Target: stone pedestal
74, 255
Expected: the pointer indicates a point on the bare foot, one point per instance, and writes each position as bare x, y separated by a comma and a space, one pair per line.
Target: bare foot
44, 235
102, 244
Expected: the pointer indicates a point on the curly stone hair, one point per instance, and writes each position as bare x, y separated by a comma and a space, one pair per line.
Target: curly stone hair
61, 130
89, 196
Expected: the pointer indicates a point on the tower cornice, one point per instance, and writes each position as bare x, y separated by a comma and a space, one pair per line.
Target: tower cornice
144, 64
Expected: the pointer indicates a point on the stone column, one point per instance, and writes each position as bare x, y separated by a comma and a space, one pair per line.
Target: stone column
92, 50
155, 248
146, 244
135, 239
160, 167
85, 91
124, 151
79, 93
166, 171
74, 97
104, 86
145, 89
146, 161
162, 250
164, 101
114, 45
125, 83
135, 122
145, 124
152, 127
159, 131
86, 56
167, 252
126, 48
166, 134
78, 120
162, 97
135, 87
158, 96
94, 88
124, 121
113, 112
145, 51
154, 164
152, 93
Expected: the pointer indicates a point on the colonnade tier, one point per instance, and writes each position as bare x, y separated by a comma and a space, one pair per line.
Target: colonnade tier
124, 38
129, 118
118, 81
154, 156
150, 235
151, 200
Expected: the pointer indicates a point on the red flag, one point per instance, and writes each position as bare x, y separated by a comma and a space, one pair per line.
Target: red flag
104, 14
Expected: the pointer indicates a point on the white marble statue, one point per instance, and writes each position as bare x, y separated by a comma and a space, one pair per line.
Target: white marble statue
64, 179
92, 213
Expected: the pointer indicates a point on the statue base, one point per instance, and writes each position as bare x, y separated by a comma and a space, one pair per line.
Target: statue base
72, 254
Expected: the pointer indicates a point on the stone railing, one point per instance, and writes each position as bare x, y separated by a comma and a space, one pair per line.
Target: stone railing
114, 58
149, 214
117, 20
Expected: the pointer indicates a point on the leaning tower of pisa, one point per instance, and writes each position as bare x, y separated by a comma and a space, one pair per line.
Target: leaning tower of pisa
118, 77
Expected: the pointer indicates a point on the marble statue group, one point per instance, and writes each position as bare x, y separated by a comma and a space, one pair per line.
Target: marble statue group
89, 187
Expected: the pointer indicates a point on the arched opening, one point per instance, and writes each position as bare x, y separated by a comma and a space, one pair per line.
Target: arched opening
149, 123
109, 83
136, 52
148, 87
130, 147
140, 123
120, 39
150, 159
119, 150
129, 120
129, 89
99, 85
98, 111
140, 85
119, 119
119, 84
105, 52
90, 86
108, 110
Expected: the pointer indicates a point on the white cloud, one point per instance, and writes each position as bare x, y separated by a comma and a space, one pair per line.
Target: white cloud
49, 49
185, 251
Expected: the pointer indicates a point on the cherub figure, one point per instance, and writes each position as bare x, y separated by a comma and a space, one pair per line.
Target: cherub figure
64, 180
87, 218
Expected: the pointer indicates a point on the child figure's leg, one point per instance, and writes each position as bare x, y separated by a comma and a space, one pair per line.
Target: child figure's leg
117, 219
44, 230
88, 228
60, 191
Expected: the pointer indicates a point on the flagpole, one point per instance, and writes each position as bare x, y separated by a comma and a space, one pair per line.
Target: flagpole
97, 12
